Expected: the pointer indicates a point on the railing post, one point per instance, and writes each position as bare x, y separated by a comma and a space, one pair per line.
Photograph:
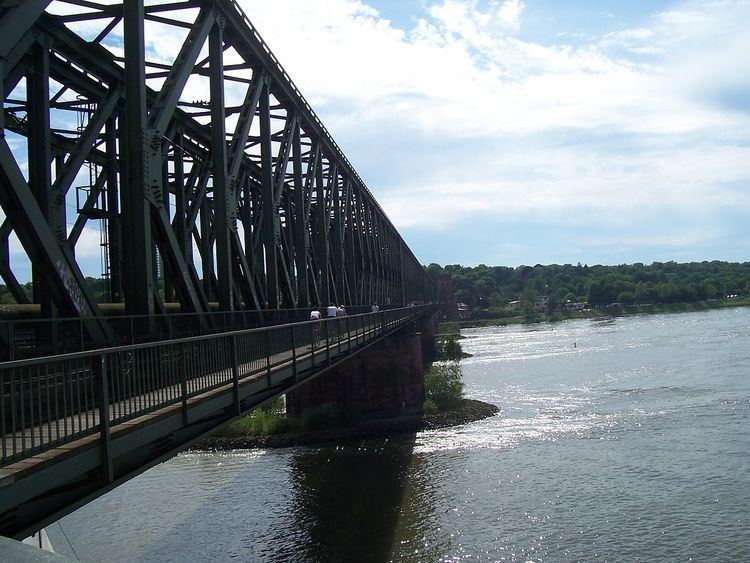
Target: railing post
328, 342
106, 438
268, 356
348, 334
12, 340
294, 356
235, 374
183, 384
314, 331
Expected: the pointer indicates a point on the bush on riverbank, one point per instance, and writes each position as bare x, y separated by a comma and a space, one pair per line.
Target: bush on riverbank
449, 349
450, 328
444, 389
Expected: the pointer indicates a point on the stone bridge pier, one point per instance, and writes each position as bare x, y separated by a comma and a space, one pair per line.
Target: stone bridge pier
385, 380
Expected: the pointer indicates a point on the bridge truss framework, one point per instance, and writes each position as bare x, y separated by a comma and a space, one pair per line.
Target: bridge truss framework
245, 183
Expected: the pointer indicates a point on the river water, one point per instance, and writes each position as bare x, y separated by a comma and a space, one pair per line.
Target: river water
619, 439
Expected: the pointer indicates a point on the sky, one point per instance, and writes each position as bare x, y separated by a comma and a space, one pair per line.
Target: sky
509, 132
523, 132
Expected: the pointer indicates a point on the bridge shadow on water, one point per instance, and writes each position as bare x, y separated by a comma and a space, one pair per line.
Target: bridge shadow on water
358, 502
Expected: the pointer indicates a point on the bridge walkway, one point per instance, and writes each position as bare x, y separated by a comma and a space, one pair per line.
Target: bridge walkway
59, 429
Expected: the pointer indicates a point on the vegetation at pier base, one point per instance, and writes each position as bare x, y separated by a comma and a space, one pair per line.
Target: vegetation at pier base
447, 345
444, 389
270, 418
493, 292
267, 419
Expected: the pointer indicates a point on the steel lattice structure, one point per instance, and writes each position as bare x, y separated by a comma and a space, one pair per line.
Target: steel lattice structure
245, 182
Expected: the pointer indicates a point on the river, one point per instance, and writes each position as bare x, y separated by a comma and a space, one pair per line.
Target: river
619, 439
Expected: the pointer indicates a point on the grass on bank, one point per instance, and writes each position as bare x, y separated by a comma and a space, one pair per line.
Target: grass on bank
269, 418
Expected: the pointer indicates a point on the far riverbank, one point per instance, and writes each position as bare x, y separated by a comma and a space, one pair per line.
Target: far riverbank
594, 313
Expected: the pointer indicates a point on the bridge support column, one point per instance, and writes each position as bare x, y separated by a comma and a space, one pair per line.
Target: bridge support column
384, 381
428, 328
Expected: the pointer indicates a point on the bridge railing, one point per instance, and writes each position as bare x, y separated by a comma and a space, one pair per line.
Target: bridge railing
33, 338
50, 401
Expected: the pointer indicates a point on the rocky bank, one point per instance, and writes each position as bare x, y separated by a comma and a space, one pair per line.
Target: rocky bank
469, 411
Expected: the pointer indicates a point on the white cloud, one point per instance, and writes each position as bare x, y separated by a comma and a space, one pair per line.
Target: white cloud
660, 93
461, 73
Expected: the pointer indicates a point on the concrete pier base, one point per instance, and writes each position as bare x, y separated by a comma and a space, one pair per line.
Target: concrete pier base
384, 381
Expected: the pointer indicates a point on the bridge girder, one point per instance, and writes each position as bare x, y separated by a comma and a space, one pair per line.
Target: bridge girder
240, 201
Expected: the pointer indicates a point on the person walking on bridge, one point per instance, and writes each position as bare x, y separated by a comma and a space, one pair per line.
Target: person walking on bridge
331, 312
315, 316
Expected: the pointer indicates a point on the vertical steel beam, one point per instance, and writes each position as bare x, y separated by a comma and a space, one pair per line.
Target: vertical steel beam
40, 158
322, 236
139, 275
207, 249
301, 238
113, 213
270, 227
222, 199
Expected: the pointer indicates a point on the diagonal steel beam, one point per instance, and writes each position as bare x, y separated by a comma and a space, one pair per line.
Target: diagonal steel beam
86, 142
5, 271
163, 107
17, 22
65, 279
282, 161
242, 130
96, 190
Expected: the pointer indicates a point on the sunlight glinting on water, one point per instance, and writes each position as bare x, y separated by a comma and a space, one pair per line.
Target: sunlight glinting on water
494, 373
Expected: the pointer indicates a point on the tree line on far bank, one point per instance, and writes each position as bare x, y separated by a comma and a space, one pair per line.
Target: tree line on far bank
493, 287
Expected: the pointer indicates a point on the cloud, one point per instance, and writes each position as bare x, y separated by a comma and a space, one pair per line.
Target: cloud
458, 116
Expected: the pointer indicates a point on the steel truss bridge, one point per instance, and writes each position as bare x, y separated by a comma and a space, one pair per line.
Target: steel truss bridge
206, 175
222, 210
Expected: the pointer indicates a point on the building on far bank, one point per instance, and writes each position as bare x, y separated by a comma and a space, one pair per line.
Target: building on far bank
540, 305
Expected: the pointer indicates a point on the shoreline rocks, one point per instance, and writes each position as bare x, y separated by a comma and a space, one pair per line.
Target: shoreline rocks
470, 410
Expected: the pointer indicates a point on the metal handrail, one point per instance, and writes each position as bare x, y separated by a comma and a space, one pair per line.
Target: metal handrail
26, 337
50, 401
187, 339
